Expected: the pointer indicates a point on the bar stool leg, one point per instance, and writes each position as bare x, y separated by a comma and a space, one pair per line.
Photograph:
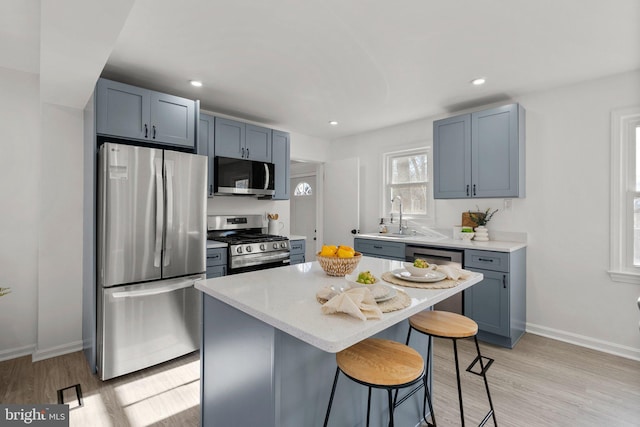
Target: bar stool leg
333, 392
486, 383
427, 393
368, 406
390, 408
455, 353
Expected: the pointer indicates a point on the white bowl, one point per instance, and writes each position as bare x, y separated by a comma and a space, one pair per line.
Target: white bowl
467, 236
415, 271
352, 279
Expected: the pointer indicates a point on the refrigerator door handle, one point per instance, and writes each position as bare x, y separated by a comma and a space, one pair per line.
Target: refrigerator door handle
154, 291
157, 255
169, 165
266, 176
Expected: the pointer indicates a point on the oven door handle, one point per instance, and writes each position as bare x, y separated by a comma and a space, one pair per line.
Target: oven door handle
273, 257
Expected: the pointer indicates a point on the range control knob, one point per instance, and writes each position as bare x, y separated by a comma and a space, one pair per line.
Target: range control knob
263, 247
239, 249
275, 246
283, 245
248, 248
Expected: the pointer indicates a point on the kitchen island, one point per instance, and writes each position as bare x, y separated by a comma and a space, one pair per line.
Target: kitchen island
267, 351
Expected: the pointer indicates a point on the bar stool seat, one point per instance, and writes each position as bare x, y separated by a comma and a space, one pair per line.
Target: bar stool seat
379, 363
443, 324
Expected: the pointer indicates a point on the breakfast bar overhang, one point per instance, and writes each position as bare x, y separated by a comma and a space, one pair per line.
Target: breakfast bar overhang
268, 352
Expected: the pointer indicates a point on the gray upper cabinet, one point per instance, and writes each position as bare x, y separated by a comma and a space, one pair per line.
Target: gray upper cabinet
281, 154
229, 138
480, 154
172, 119
130, 112
205, 146
258, 143
242, 141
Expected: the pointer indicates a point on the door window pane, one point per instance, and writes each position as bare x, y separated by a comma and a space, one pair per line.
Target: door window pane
303, 189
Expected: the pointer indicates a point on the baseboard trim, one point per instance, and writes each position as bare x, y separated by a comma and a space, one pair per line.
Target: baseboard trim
17, 352
584, 341
57, 351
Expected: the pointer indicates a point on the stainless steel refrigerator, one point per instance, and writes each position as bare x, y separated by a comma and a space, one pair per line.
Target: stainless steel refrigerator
151, 250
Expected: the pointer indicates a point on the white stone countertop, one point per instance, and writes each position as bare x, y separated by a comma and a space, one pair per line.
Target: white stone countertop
296, 237
491, 245
214, 244
285, 298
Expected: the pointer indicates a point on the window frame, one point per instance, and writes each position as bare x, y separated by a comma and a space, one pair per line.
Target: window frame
623, 191
386, 206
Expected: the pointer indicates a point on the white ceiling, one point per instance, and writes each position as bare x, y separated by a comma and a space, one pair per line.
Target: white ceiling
296, 64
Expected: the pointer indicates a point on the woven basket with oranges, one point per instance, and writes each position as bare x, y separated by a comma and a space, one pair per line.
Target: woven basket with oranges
338, 260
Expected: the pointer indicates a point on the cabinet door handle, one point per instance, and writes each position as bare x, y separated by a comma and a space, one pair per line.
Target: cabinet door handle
154, 131
504, 281
242, 155
247, 153
377, 247
485, 260
467, 189
474, 189
211, 189
146, 130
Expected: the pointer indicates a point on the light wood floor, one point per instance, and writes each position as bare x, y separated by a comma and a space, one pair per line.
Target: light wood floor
541, 382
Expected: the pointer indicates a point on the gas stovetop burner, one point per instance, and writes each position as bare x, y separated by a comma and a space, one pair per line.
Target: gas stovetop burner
246, 238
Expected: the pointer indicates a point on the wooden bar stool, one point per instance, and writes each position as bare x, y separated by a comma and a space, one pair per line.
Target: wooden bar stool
444, 324
379, 363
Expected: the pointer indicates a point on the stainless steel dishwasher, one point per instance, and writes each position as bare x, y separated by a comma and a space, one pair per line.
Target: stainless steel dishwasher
440, 257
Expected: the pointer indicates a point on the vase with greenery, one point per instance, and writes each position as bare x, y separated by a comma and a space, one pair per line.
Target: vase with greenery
482, 218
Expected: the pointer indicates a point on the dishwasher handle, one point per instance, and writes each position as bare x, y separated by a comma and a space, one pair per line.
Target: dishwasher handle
445, 255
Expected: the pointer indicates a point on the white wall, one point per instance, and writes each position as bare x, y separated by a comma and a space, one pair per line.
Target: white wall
19, 172
565, 211
60, 232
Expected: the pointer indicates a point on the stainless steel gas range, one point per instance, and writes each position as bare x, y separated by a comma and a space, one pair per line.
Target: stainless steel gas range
249, 248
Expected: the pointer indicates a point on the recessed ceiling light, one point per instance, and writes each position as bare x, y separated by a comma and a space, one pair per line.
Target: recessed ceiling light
333, 123
196, 83
479, 81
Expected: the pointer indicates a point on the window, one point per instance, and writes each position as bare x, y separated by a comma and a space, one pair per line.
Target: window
303, 189
625, 196
407, 174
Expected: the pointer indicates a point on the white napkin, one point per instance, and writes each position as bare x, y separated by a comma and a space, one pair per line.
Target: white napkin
453, 272
357, 302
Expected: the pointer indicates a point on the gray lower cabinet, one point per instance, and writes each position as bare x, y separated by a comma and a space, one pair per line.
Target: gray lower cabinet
296, 251
480, 154
130, 112
205, 146
216, 262
281, 144
240, 140
498, 303
380, 249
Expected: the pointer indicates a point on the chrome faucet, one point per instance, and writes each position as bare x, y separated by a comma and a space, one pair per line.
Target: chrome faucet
400, 222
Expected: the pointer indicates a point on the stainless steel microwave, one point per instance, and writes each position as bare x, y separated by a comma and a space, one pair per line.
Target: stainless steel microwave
242, 176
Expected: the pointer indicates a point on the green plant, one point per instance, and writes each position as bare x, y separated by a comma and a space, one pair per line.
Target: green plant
481, 218
4, 291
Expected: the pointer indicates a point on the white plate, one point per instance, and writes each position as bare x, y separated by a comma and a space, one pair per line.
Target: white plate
392, 293
432, 276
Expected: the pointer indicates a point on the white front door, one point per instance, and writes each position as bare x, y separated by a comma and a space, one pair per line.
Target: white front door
303, 211
341, 201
